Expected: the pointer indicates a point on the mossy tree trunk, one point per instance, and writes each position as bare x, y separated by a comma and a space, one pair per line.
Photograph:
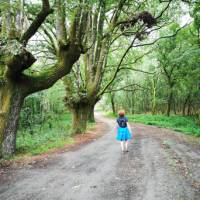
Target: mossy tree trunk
91, 117
10, 105
80, 113
13, 88
16, 86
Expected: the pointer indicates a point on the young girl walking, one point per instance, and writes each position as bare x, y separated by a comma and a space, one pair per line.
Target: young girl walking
123, 131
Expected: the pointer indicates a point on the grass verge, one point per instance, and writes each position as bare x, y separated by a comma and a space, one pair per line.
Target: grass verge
54, 133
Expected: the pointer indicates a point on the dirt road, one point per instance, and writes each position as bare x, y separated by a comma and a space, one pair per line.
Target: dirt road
160, 165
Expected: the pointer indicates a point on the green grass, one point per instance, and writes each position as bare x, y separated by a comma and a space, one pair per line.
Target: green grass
54, 133
91, 125
187, 125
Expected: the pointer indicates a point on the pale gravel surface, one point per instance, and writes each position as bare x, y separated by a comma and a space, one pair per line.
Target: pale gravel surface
158, 166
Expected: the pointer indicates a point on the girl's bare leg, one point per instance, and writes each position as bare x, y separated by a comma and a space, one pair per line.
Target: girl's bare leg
126, 145
122, 145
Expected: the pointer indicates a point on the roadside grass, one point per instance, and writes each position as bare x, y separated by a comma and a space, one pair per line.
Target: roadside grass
54, 133
185, 124
91, 125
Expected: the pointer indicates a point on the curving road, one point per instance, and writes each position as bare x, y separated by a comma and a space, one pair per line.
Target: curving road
160, 165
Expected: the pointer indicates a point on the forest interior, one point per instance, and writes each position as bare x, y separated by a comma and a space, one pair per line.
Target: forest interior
67, 67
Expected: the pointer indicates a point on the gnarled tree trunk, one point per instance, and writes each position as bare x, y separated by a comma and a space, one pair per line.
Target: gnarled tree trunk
11, 100
91, 117
80, 114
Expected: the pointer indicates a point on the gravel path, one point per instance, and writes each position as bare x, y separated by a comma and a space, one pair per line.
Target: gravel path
160, 165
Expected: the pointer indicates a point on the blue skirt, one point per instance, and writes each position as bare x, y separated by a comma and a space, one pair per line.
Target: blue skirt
123, 134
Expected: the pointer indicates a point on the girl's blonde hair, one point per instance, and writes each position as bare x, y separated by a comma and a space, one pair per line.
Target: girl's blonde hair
121, 113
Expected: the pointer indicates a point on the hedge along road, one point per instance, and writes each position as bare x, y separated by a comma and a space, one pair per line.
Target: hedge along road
160, 165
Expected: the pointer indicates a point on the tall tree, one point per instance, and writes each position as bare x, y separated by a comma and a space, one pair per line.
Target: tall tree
106, 23
15, 60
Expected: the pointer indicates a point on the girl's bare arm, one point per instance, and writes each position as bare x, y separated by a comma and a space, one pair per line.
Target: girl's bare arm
129, 127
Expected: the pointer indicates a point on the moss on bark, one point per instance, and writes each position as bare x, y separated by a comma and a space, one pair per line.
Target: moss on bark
10, 106
79, 119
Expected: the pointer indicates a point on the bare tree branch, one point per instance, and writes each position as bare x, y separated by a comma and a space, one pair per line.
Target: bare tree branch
160, 15
117, 12
40, 18
124, 88
137, 70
